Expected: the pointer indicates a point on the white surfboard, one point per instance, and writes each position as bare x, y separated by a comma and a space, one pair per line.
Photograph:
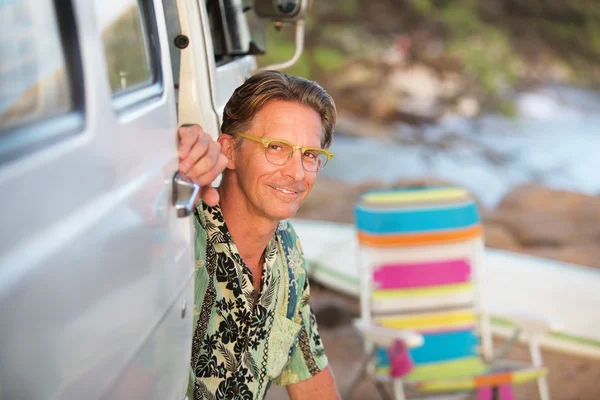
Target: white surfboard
567, 294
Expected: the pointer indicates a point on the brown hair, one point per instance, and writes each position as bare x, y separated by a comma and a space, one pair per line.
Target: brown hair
259, 89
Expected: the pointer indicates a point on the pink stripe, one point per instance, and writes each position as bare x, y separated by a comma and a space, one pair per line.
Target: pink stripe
396, 276
506, 392
484, 393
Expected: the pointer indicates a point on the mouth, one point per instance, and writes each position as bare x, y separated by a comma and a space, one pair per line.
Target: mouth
286, 191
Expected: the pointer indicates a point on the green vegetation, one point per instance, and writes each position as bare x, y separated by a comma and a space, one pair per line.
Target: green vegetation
498, 46
316, 59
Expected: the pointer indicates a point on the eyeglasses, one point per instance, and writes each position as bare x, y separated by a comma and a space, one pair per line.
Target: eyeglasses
279, 151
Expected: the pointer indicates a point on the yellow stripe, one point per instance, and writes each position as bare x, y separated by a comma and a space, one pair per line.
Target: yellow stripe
464, 367
451, 385
430, 320
440, 385
423, 327
421, 291
528, 375
458, 369
418, 195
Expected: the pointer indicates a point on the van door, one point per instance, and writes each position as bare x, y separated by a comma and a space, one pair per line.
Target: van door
96, 265
209, 69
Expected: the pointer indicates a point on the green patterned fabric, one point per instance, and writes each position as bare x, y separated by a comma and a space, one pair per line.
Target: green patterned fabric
243, 341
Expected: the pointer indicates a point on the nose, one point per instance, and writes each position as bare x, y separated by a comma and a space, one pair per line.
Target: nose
293, 168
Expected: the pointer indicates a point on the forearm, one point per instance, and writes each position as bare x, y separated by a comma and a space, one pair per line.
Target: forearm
321, 386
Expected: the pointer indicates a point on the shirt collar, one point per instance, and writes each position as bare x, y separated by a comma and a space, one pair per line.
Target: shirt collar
215, 225
217, 230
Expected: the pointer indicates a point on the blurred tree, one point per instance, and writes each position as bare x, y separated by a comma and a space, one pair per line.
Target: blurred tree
497, 46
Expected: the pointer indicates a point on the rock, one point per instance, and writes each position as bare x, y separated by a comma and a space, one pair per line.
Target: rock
356, 75
385, 103
386, 93
422, 83
538, 228
500, 237
587, 254
543, 199
582, 254
420, 182
468, 107
540, 216
419, 90
330, 200
350, 125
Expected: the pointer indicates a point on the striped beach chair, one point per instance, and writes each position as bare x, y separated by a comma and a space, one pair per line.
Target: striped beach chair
421, 257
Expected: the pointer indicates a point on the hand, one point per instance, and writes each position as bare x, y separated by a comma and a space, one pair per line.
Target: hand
201, 159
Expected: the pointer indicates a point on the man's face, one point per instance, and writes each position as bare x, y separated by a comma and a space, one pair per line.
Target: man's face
277, 191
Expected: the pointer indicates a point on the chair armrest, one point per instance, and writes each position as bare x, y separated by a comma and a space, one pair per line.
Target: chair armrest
529, 323
384, 337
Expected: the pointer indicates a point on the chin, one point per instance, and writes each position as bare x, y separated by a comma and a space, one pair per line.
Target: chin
281, 213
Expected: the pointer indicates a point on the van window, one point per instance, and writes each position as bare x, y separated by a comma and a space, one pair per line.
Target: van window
217, 33
126, 39
34, 83
232, 28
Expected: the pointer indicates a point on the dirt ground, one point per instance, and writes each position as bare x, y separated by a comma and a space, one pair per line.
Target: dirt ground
570, 378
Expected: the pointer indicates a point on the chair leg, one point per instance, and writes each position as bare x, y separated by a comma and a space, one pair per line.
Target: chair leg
399, 389
382, 392
364, 364
536, 360
506, 346
543, 388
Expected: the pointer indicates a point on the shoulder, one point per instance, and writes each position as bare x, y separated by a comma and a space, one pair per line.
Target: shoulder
289, 239
293, 256
295, 266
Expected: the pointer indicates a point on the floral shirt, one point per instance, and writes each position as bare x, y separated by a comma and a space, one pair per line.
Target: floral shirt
243, 341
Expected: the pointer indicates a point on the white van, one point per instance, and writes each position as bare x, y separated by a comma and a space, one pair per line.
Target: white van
96, 249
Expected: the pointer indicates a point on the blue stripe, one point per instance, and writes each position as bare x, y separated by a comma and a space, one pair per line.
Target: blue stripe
432, 188
439, 347
386, 221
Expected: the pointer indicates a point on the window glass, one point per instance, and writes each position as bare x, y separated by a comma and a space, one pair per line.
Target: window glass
33, 75
126, 45
217, 34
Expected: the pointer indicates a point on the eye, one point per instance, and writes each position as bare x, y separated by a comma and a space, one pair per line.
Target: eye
275, 146
311, 155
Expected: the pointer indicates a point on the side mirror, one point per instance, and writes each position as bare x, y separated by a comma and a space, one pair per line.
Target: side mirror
280, 12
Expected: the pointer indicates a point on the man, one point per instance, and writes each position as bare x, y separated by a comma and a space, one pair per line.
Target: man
253, 325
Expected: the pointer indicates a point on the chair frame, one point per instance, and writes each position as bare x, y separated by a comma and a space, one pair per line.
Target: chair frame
373, 334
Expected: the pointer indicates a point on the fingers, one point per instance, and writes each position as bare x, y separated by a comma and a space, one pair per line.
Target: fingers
208, 177
188, 136
207, 162
201, 159
198, 150
210, 196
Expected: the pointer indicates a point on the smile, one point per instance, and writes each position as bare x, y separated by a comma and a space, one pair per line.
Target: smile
284, 190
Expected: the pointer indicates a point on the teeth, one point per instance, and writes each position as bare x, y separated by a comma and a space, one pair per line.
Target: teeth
285, 190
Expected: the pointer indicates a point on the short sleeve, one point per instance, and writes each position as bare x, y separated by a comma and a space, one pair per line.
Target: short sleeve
308, 355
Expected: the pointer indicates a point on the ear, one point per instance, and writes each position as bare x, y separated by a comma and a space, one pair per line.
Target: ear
228, 149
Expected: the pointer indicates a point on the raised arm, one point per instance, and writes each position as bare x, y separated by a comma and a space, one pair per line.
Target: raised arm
200, 158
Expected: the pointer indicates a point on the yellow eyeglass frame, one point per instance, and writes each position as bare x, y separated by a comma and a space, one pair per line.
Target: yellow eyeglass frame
267, 141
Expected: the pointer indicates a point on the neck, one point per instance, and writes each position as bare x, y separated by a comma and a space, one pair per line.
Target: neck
250, 232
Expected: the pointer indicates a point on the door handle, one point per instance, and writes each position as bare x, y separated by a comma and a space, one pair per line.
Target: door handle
185, 191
